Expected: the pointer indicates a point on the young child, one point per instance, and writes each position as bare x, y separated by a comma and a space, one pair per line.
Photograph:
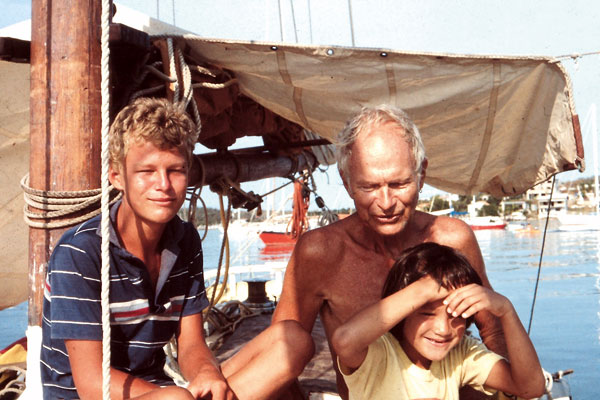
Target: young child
411, 344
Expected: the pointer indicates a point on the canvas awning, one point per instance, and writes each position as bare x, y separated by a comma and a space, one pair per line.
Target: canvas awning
490, 124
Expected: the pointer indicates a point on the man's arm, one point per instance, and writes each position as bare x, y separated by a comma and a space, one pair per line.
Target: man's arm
301, 299
197, 362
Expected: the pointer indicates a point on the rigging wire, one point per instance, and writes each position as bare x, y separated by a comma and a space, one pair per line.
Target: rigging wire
537, 280
310, 23
225, 218
351, 22
173, 7
280, 20
575, 56
277, 188
294, 21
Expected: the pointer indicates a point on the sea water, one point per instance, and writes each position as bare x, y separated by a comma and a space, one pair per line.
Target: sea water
565, 327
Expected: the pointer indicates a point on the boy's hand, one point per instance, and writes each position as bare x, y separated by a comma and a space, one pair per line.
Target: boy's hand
210, 384
431, 289
468, 300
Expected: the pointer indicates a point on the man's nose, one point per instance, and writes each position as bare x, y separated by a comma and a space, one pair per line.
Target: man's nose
385, 200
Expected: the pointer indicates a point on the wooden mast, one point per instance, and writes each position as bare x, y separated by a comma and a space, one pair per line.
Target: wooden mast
65, 116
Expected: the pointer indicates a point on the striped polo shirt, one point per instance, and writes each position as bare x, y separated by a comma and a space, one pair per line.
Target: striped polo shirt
142, 319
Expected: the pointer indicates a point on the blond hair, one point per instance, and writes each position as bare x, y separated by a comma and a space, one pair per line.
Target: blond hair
153, 120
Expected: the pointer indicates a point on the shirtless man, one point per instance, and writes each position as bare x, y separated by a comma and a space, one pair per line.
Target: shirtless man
339, 269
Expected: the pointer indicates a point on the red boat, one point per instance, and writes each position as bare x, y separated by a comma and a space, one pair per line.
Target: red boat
277, 238
480, 223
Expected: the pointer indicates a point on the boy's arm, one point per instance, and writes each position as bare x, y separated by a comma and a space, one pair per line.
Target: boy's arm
522, 375
197, 362
352, 339
85, 357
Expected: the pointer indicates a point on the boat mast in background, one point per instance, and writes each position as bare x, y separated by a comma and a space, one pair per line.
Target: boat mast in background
594, 131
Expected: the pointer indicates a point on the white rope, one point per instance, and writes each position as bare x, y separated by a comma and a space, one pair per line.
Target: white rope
173, 70
105, 225
187, 80
203, 70
209, 85
60, 205
188, 90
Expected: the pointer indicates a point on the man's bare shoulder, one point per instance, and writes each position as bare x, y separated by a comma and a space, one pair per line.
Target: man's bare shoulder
446, 230
325, 243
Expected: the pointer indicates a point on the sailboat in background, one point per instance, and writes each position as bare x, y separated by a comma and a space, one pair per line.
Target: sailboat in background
586, 222
482, 222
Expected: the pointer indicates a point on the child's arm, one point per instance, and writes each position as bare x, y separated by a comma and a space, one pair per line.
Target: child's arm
522, 375
352, 339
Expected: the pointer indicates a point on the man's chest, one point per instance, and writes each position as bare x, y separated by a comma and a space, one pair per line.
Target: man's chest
357, 283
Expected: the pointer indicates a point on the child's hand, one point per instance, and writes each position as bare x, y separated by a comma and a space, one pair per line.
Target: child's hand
432, 289
468, 300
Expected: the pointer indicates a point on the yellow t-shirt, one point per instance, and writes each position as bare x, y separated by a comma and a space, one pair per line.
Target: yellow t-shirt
388, 373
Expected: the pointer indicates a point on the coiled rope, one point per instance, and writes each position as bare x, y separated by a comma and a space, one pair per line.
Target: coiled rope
14, 387
13, 381
61, 205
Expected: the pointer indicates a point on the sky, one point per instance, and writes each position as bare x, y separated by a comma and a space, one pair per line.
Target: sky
507, 27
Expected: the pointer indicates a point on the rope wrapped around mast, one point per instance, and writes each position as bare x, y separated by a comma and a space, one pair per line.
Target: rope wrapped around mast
62, 206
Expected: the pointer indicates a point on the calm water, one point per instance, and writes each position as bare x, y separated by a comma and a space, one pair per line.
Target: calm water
566, 320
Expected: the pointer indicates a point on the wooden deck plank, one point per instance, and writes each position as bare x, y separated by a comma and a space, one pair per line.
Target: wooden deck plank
318, 376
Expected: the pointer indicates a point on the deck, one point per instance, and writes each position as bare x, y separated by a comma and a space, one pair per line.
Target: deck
318, 376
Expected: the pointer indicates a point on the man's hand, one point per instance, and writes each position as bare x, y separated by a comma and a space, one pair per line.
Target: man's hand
210, 384
468, 300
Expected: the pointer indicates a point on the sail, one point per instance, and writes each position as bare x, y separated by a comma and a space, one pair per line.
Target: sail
490, 124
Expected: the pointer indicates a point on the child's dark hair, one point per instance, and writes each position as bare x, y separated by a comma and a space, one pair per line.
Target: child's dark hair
444, 264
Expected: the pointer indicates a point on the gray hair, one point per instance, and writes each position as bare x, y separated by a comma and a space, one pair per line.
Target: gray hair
370, 116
